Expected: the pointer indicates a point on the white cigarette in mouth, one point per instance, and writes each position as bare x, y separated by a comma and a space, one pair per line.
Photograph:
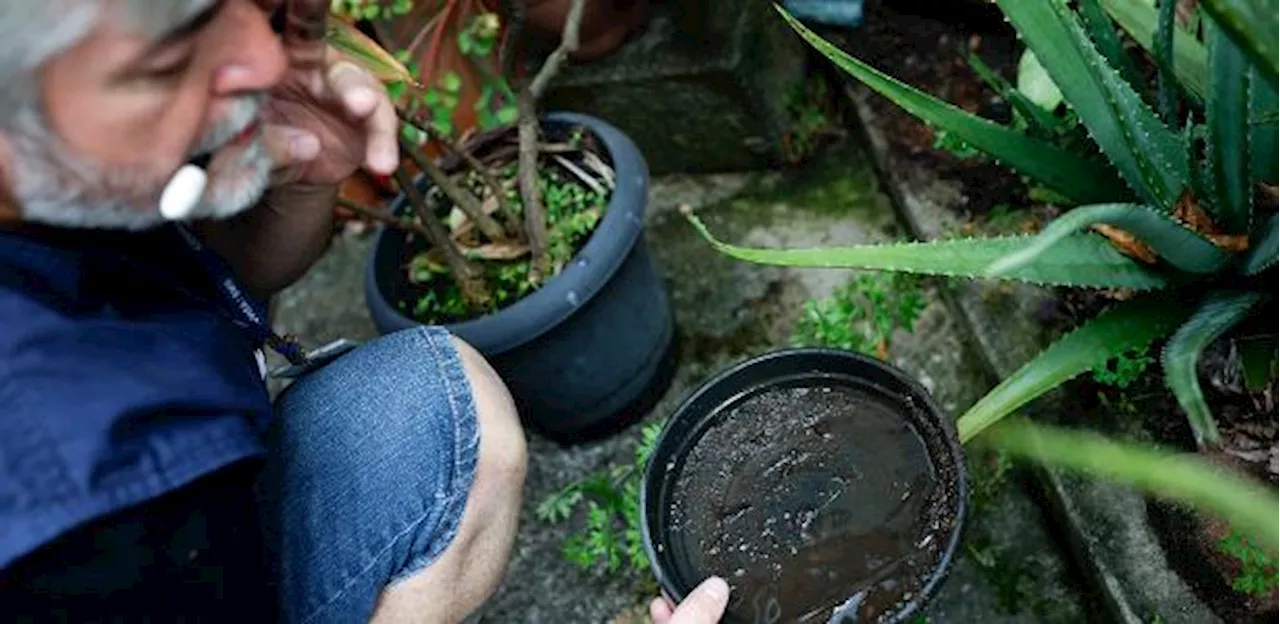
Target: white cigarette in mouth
182, 194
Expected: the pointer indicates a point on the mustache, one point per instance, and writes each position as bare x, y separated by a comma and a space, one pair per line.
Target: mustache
241, 113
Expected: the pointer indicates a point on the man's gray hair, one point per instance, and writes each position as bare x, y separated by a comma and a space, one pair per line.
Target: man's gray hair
33, 31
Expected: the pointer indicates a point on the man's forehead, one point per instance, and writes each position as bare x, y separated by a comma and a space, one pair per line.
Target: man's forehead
155, 18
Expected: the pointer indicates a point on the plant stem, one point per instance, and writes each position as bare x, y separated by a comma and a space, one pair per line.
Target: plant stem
535, 220
383, 216
469, 278
526, 108
461, 197
568, 45
505, 208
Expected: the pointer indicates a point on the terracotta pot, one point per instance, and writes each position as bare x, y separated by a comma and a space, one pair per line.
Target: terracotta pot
606, 24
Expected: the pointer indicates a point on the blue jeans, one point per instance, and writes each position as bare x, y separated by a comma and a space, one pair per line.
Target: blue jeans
369, 464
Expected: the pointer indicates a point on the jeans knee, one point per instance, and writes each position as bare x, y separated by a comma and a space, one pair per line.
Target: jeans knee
503, 453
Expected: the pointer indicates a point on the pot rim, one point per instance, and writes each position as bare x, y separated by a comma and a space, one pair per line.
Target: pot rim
582, 277
653, 476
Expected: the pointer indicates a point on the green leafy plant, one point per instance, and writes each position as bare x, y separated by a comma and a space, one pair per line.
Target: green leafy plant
1258, 570
499, 222
1179, 216
863, 314
610, 535
1123, 369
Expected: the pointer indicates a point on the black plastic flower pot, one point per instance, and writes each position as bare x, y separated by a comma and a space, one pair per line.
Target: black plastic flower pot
589, 351
823, 485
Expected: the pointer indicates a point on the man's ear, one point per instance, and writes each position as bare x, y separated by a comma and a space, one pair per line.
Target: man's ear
9, 212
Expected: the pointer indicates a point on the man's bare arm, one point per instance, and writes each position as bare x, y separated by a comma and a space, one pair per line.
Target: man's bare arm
274, 244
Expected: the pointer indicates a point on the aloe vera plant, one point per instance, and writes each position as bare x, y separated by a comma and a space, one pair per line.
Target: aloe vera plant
1182, 216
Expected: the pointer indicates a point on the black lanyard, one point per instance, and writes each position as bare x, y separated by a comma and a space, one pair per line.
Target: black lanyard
236, 305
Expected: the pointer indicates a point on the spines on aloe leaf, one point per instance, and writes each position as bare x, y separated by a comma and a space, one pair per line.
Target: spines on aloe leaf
1080, 260
1145, 151
1263, 248
1176, 243
1082, 180
1166, 96
1128, 325
1103, 32
1190, 61
1252, 25
1219, 312
1227, 119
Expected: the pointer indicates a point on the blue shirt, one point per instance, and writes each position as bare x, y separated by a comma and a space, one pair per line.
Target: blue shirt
119, 378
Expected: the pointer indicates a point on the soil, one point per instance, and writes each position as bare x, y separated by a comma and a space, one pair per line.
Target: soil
775, 500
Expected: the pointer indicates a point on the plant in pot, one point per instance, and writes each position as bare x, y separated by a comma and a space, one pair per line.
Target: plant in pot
527, 242
1174, 214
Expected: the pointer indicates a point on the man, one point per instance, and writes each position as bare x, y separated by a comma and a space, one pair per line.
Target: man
144, 471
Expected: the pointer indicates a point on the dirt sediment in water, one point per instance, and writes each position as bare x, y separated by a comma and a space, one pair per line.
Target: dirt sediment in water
812, 500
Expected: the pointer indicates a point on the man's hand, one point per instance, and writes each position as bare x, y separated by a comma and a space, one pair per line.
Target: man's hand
328, 117
704, 605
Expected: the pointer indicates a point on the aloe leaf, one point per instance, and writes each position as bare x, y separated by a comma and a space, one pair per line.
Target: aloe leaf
1166, 97
1263, 248
1132, 324
1181, 477
1190, 60
1178, 244
1227, 119
1147, 153
1035, 84
1036, 117
1103, 33
1263, 129
1220, 311
1082, 260
1252, 25
1080, 179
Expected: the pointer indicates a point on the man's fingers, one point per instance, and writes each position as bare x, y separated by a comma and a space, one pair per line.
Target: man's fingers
365, 98
289, 148
704, 605
659, 611
304, 39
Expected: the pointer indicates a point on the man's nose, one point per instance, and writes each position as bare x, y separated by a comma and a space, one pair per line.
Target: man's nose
256, 59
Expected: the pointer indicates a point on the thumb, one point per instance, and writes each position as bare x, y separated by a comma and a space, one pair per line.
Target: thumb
704, 605
289, 148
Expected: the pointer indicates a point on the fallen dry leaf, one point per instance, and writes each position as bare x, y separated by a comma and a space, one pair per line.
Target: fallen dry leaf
496, 251
1127, 243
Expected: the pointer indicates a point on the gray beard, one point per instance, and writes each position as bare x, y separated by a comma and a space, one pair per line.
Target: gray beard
58, 188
